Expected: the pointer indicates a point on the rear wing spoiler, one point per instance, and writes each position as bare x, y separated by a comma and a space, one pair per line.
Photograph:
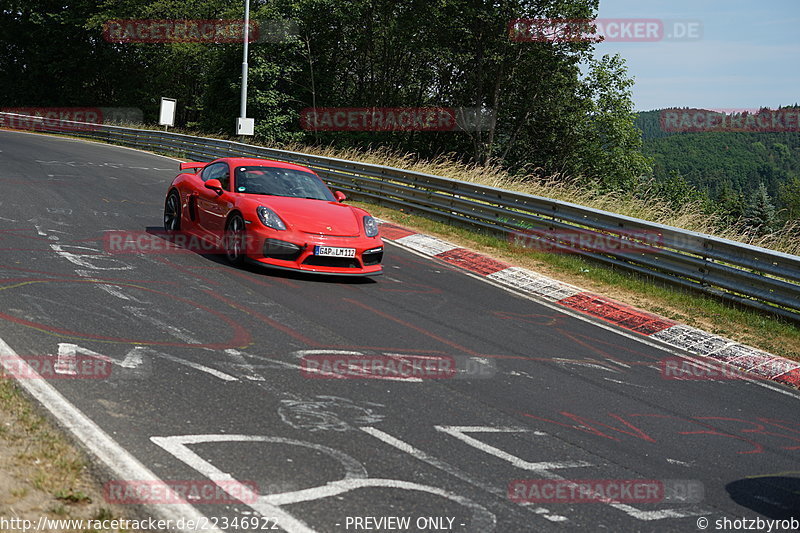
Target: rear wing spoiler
192, 164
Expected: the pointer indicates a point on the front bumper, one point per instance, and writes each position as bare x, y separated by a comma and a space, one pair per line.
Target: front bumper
295, 251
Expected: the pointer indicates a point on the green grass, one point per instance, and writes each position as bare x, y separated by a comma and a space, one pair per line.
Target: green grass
47, 461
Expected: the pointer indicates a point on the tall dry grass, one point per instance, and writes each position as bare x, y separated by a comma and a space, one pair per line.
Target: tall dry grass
643, 205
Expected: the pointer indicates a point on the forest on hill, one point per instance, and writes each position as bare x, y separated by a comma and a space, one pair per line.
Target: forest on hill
731, 170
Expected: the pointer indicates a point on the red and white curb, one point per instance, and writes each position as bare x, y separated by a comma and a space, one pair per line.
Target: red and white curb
760, 364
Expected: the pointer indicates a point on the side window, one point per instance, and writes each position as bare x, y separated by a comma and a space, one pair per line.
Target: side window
209, 171
224, 176
217, 171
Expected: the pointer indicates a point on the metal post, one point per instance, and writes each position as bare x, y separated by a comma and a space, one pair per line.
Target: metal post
243, 106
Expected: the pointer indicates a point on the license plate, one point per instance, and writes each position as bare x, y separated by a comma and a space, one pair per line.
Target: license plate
332, 251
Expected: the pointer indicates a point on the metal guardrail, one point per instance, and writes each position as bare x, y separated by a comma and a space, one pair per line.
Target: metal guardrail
749, 275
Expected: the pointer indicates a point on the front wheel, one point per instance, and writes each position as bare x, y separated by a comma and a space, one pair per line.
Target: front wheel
172, 212
235, 240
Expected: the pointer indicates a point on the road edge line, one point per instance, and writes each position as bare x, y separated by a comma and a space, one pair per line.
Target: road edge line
97, 442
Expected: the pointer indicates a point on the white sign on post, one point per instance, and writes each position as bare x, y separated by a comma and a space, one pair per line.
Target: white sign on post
166, 116
245, 126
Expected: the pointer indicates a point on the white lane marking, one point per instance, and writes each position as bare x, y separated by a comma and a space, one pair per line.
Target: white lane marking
452, 470
197, 366
121, 463
625, 383
239, 361
134, 358
302, 353
81, 272
82, 260
459, 433
114, 291
67, 353
560, 361
172, 330
65, 360
676, 462
110, 289
270, 505
137, 363
178, 446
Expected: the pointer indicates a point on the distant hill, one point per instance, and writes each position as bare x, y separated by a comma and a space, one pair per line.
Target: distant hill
714, 160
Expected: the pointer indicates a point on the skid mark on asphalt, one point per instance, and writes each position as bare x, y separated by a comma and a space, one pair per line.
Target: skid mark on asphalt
419, 329
175, 331
329, 413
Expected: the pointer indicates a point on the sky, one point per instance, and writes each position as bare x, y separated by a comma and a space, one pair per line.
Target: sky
747, 55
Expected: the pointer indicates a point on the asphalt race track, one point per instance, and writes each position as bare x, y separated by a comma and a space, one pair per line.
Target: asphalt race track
207, 380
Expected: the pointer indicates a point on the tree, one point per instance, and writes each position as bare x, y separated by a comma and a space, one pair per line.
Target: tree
790, 198
731, 203
760, 213
611, 145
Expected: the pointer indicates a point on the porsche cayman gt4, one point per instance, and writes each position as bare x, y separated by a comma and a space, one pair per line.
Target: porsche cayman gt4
278, 214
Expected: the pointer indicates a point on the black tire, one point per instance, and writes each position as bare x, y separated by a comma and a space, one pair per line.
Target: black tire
172, 212
235, 240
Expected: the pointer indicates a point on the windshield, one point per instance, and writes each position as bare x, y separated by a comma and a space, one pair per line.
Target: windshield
276, 181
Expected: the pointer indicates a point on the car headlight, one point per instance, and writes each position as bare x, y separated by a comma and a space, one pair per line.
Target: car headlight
270, 218
370, 226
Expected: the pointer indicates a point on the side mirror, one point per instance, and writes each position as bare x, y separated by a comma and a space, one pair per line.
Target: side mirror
339, 195
215, 186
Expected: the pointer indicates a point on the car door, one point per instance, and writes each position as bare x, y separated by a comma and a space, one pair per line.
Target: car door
211, 207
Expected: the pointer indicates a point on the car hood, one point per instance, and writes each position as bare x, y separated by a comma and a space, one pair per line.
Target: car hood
316, 216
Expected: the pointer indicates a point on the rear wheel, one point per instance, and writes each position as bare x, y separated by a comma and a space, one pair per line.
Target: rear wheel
235, 240
172, 212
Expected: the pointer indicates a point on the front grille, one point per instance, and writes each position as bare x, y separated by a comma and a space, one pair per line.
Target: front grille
275, 249
372, 258
334, 262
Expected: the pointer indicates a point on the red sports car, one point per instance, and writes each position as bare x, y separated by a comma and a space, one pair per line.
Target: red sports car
278, 214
